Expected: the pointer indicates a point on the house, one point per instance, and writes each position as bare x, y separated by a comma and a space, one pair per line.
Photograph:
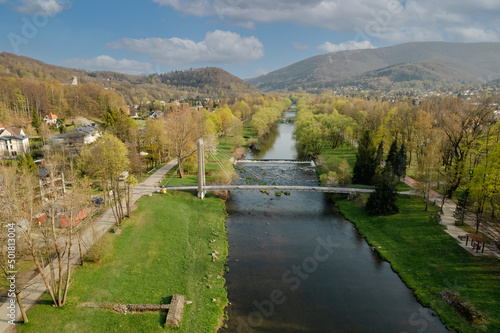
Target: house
496, 115
74, 140
156, 114
50, 118
133, 114
13, 142
90, 132
11, 131
70, 82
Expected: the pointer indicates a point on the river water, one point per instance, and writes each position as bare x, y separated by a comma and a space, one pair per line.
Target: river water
296, 265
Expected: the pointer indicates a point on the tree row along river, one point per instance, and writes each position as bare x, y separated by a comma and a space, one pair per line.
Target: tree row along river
296, 265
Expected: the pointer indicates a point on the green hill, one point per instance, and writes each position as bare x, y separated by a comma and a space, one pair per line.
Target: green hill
423, 63
203, 82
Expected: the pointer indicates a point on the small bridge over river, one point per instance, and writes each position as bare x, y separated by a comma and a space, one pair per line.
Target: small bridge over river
202, 187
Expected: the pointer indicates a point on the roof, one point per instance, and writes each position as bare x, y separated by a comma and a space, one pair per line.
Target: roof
87, 129
78, 133
1, 126
15, 137
15, 130
51, 116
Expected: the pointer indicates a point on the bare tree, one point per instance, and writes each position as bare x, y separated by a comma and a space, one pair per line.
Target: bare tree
183, 130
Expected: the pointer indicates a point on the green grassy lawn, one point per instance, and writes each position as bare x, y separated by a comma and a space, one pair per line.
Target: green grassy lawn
164, 249
429, 261
249, 131
331, 158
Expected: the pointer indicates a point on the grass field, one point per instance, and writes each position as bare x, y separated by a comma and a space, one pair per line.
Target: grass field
429, 260
331, 158
164, 249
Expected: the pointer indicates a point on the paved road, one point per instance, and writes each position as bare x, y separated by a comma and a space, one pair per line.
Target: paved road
35, 288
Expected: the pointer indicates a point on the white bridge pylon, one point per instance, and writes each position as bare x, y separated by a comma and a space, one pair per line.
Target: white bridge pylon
201, 170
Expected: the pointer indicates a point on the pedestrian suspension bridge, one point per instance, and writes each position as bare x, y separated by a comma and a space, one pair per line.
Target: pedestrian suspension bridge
202, 186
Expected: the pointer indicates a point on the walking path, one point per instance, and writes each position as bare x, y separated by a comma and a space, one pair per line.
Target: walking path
453, 230
36, 287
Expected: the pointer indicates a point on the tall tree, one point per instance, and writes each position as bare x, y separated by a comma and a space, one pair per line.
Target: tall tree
383, 200
105, 160
35, 119
392, 156
379, 157
183, 130
364, 167
462, 123
401, 162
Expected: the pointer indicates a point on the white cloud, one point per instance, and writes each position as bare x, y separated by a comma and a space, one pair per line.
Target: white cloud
473, 34
42, 7
300, 46
384, 20
350, 45
107, 63
219, 47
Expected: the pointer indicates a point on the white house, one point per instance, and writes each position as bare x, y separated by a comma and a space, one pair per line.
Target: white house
156, 114
13, 142
50, 118
74, 140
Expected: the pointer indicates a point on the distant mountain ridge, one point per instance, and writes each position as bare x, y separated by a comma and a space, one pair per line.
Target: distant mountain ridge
411, 64
211, 82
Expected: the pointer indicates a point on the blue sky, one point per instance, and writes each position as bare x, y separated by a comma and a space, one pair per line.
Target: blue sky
245, 37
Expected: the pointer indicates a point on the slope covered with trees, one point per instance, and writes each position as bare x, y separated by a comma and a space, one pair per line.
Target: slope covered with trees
430, 63
446, 142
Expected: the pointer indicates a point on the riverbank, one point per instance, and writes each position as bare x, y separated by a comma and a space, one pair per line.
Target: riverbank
165, 248
428, 260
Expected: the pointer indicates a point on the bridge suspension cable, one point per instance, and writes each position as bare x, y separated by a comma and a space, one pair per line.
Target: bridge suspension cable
226, 155
220, 164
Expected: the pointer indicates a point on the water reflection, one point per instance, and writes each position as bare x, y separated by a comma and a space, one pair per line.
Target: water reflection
296, 265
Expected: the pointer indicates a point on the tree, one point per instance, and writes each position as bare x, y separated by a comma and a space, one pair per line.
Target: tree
130, 182
120, 124
154, 140
35, 119
462, 124
16, 207
401, 161
392, 156
485, 183
105, 160
364, 167
379, 157
26, 162
383, 200
461, 209
183, 130
428, 165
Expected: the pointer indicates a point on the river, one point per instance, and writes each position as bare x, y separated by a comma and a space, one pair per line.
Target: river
296, 265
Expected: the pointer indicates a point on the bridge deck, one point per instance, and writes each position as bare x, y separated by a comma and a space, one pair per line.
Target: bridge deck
329, 189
